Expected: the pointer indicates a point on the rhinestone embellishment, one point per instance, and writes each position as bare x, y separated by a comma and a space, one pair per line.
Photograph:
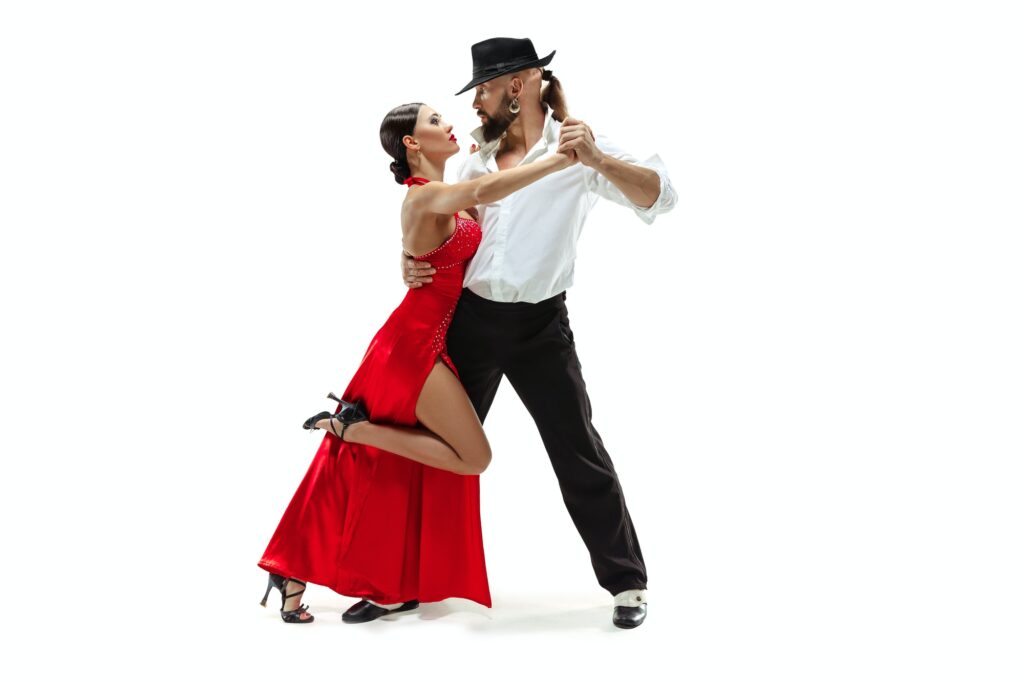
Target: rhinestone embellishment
466, 234
450, 255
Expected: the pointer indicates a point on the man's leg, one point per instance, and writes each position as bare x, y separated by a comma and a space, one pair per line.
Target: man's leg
547, 375
470, 349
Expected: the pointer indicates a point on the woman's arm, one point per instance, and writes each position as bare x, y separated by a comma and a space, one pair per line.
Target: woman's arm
438, 197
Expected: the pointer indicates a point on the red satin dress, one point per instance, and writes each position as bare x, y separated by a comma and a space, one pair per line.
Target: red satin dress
366, 522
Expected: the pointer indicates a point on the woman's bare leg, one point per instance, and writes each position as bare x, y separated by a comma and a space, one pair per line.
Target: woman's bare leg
453, 439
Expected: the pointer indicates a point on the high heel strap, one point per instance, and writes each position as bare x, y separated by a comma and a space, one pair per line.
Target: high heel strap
293, 594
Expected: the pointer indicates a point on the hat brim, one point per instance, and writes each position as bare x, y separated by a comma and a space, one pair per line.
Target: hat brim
544, 61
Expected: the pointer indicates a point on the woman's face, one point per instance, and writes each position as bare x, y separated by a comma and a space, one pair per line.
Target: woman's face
433, 134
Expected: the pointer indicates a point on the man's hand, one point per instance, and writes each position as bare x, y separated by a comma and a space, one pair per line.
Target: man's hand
416, 273
576, 135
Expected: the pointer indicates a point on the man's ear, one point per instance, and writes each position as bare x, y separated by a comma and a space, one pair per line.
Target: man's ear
522, 85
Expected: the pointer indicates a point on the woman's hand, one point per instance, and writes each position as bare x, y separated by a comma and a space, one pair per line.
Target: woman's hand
566, 157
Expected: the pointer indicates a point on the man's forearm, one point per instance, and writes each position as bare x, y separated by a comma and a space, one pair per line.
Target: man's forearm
640, 185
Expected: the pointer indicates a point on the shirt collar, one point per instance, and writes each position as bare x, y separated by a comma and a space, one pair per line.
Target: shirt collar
549, 135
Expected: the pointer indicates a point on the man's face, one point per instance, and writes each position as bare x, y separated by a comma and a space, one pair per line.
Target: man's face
491, 104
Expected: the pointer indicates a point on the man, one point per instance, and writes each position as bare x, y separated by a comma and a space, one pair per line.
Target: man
511, 319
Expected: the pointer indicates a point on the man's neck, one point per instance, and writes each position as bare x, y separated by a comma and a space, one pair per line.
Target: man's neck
523, 133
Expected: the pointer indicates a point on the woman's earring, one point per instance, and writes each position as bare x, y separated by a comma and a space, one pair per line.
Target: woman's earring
514, 106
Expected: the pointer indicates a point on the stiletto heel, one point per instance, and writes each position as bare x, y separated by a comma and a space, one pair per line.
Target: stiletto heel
295, 615
270, 586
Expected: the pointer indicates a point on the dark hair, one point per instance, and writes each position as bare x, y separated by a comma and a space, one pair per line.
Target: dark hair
554, 97
399, 122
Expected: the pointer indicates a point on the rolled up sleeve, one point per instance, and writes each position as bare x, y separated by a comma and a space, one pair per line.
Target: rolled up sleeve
603, 187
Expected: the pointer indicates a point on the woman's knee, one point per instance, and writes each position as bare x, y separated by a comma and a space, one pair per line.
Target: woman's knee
478, 460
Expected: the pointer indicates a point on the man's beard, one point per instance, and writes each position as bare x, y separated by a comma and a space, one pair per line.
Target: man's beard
495, 126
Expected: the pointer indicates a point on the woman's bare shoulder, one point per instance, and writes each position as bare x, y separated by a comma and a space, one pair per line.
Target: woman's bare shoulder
420, 229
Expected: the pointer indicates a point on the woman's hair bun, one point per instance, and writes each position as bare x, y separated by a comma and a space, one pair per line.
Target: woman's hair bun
399, 122
400, 170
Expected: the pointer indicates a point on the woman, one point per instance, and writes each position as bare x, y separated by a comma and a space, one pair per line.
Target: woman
397, 530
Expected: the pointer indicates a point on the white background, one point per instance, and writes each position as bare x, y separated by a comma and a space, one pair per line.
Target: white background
808, 374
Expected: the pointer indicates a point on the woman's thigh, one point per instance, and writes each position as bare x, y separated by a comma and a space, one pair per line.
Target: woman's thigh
444, 408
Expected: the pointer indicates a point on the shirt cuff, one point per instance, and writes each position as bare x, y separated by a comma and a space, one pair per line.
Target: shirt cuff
666, 194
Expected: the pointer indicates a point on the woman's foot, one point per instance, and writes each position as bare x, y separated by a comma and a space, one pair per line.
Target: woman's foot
297, 612
292, 603
348, 434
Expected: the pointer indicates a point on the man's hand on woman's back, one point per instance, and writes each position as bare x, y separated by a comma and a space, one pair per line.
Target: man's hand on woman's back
416, 273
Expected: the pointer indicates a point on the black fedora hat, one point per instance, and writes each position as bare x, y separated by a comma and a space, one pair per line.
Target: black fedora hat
497, 56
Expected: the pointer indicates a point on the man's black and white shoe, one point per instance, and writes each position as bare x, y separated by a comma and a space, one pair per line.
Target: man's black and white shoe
630, 608
364, 611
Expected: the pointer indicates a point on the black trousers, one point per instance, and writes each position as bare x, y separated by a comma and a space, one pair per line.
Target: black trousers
532, 344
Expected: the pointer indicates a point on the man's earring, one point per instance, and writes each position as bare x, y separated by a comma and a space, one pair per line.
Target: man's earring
513, 106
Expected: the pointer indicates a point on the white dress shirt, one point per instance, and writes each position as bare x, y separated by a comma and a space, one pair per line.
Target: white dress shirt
528, 249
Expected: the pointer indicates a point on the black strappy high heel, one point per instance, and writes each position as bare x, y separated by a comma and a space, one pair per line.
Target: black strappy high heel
295, 615
350, 413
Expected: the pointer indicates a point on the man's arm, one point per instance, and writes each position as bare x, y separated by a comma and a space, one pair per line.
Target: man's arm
616, 175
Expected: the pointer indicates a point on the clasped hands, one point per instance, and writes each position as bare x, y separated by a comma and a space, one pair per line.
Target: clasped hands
577, 136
